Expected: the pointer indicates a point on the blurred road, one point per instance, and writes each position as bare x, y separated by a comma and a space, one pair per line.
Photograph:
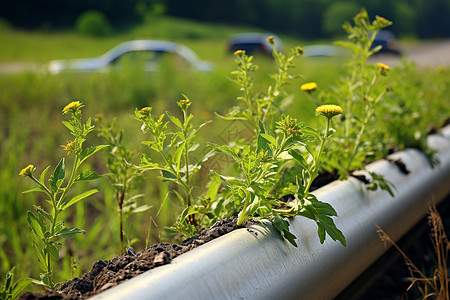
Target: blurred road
428, 54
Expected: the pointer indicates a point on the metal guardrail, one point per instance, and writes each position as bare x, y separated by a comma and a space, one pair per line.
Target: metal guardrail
257, 264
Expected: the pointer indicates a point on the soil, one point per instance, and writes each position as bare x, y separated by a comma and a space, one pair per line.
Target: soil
106, 274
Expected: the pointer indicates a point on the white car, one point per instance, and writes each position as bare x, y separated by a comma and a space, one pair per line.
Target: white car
149, 52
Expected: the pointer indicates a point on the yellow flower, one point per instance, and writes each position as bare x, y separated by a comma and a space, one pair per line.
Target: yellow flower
145, 110
70, 147
27, 171
184, 103
309, 87
382, 22
270, 39
239, 52
299, 50
72, 107
329, 110
383, 66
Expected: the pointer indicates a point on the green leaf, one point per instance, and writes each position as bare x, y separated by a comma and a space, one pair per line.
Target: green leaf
9, 279
142, 208
89, 151
168, 175
35, 224
297, 155
282, 225
41, 258
263, 145
43, 174
331, 132
19, 286
68, 125
43, 213
179, 197
227, 150
178, 153
331, 229
348, 45
325, 209
53, 251
270, 138
34, 190
87, 175
174, 120
214, 185
320, 212
78, 198
58, 175
69, 233
312, 131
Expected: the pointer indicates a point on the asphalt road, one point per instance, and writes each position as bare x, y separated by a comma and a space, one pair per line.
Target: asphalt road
428, 54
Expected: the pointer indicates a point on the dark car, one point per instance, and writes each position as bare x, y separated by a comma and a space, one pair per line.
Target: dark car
253, 43
389, 44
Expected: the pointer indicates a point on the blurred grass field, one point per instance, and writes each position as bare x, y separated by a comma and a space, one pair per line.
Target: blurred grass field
31, 129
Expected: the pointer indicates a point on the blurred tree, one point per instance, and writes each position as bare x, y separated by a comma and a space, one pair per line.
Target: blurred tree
404, 19
433, 18
336, 14
93, 23
306, 18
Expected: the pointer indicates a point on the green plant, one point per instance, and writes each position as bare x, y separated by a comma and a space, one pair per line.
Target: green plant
175, 149
11, 290
46, 227
122, 174
270, 152
360, 94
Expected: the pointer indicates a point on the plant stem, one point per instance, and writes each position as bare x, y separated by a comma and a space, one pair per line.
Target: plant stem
188, 191
358, 139
244, 209
315, 169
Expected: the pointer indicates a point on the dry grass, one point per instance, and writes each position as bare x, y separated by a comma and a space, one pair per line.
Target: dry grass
435, 287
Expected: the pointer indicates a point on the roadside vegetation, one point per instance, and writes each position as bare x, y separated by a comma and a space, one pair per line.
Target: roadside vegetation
250, 121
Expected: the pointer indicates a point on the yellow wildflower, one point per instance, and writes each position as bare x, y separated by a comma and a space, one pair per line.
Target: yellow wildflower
270, 39
70, 147
145, 110
329, 110
72, 107
383, 66
184, 103
239, 52
299, 50
309, 87
27, 171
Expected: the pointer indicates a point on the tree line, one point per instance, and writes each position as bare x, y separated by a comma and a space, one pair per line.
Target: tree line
304, 18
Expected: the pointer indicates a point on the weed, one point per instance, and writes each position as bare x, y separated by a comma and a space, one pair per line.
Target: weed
122, 173
175, 150
46, 227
